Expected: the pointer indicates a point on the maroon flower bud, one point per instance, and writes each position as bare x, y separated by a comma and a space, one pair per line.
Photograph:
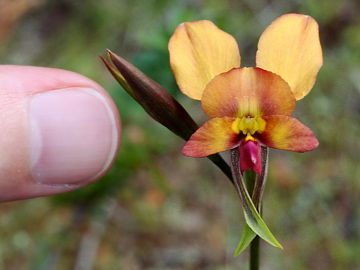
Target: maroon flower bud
155, 100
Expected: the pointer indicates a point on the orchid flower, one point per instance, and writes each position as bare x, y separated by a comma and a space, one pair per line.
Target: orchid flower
248, 107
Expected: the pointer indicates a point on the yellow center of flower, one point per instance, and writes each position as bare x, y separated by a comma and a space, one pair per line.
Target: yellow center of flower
248, 126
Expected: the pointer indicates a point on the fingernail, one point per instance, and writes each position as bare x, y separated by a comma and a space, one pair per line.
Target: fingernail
73, 135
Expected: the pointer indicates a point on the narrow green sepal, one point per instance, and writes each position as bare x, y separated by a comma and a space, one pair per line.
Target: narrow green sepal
247, 236
252, 216
258, 187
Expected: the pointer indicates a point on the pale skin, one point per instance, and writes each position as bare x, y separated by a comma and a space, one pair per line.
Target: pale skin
59, 131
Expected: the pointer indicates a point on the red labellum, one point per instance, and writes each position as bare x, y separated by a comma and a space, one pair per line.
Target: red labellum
250, 156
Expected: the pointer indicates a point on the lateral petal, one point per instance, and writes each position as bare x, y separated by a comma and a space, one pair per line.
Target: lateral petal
247, 91
290, 47
287, 133
198, 52
215, 136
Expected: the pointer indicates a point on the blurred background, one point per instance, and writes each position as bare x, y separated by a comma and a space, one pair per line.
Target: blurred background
157, 209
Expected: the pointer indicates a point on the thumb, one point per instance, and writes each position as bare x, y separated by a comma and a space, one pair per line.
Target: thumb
59, 131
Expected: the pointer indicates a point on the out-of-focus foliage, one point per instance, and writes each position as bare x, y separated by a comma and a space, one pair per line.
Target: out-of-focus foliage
156, 209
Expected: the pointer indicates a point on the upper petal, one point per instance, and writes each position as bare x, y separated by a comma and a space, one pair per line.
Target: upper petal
287, 133
198, 52
290, 47
247, 91
214, 136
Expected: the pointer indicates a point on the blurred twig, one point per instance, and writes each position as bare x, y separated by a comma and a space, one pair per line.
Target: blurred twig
90, 241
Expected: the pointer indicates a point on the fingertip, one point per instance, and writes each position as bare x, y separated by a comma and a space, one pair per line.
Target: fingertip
73, 136
66, 132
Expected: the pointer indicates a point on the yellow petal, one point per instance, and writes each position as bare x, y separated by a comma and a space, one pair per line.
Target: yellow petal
198, 52
290, 47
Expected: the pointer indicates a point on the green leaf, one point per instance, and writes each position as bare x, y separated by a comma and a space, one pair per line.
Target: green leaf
257, 224
247, 236
252, 216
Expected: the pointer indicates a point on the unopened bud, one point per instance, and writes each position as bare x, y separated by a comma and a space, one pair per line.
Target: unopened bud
155, 100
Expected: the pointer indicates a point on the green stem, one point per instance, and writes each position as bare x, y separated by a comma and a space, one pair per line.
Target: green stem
255, 254
252, 186
222, 165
